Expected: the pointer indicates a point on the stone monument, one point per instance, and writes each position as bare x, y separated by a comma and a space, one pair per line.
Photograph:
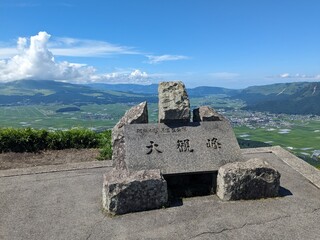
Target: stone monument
144, 154
174, 105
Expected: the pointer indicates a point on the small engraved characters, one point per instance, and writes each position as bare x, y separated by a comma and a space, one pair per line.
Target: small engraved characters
213, 143
184, 146
153, 146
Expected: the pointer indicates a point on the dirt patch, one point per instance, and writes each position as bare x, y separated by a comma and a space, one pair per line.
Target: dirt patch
23, 160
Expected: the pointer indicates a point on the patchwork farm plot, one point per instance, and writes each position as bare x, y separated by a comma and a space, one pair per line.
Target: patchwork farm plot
300, 134
49, 117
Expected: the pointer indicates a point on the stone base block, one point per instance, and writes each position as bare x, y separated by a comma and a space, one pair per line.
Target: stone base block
252, 179
125, 192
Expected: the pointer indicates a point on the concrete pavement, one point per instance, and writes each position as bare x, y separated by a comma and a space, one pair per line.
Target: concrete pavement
64, 202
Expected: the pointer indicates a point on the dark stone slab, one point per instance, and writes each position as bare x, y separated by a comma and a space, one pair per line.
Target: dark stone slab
195, 147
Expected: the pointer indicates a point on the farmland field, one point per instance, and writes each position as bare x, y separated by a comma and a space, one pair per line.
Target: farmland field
45, 116
298, 139
298, 134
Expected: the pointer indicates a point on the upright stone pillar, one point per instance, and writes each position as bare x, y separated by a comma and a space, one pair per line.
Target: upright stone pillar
126, 190
137, 114
174, 105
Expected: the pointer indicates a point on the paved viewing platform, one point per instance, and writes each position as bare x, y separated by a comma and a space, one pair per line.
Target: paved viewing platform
64, 202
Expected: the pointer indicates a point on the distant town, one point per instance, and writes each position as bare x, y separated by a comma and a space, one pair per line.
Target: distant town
250, 125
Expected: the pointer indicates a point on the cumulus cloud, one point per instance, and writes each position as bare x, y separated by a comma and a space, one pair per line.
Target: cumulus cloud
7, 52
135, 76
35, 61
162, 58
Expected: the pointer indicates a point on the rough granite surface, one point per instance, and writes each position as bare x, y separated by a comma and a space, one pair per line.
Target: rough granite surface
174, 105
137, 114
206, 113
181, 148
125, 192
252, 179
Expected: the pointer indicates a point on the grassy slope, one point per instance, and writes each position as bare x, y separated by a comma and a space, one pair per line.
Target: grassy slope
301, 140
285, 88
38, 116
28, 92
44, 116
290, 98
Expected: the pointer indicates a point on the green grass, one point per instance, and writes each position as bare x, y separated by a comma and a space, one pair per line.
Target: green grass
33, 140
115, 93
8, 91
45, 116
153, 112
302, 140
217, 101
277, 88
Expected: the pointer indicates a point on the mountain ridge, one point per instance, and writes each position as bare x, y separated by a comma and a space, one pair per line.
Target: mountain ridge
153, 89
291, 98
52, 92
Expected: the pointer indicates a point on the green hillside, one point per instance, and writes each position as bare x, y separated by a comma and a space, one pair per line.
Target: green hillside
30, 92
290, 98
276, 89
153, 89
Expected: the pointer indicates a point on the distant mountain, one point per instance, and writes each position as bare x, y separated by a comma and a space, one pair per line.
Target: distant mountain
257, 94
48, 92
129, 88
290, 98
205, 91
153, 89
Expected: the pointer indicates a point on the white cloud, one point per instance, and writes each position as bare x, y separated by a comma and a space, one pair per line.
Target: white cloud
35, 61
7, 52
299, 76
87, 48
72, 47
284, 75
135, 76
162, 58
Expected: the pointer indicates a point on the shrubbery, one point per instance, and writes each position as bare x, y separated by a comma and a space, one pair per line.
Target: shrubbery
32, 140
105, 145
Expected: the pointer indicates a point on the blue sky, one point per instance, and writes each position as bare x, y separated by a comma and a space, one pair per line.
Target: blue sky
229, 43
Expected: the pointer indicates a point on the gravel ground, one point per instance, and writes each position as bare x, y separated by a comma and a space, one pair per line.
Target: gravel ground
23, 160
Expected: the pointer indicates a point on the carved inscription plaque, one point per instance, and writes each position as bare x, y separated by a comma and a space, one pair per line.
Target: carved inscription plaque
196, 147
